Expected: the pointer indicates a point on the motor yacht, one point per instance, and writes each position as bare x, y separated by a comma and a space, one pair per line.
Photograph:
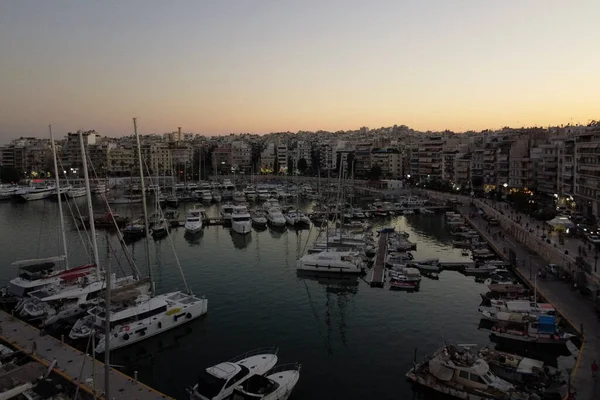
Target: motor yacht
263, 194
36, 193
332, 261
226, 211
275, 217
193, 222
241, 220
219, 381
239, 197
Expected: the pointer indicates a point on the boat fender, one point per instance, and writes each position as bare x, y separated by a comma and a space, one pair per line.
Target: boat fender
126, 336
188, 315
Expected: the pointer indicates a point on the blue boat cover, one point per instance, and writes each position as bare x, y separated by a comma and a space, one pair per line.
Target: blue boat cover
546, 324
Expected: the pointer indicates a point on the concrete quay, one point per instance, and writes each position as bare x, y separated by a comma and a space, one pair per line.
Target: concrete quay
78, 368
578, 311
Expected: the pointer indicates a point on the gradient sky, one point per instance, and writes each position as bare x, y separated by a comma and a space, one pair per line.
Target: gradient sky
220, 66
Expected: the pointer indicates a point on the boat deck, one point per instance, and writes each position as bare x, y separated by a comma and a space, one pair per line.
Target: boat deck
45, 349
378, 272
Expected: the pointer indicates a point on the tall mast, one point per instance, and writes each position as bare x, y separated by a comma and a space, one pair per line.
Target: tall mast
107, 272
143, 186
90, 208
60, 210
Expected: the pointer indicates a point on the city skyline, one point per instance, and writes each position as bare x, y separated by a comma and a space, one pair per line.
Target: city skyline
266, 67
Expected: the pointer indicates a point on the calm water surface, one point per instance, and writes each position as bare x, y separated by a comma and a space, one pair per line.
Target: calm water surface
354, 341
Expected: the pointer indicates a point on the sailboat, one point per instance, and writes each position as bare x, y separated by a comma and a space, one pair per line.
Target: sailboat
132, 322
63, 298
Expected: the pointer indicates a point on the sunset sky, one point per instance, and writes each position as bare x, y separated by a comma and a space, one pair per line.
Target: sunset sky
215, 67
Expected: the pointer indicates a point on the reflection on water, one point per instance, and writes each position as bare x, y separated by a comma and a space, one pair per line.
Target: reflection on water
240, 241
339, 291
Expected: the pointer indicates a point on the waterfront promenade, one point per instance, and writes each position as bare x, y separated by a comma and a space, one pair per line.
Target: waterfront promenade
73, 365
569, 303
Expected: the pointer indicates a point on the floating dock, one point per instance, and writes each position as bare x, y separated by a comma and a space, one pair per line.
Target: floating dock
78, 368
378, 272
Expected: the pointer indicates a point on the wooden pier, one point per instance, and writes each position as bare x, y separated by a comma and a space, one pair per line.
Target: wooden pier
378, 272
71, 364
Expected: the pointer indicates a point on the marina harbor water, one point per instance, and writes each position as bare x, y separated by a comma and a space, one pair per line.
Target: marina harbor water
354, 341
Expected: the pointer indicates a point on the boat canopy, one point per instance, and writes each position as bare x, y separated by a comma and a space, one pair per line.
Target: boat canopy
529, 366
440, 370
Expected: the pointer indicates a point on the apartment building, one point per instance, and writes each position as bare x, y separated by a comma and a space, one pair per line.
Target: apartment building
587, 179
520, 175
282, 156
362, 158
241, 156
389, 160
120, 160
448, 162
430, 158
71, 151
267, 158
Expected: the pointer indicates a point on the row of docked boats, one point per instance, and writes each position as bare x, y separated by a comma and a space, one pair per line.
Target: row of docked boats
45, 191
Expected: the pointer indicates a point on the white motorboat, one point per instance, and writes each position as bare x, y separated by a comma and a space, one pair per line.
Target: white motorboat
251, 194
226, 211
427, 267
193, 222
406, 274
263, 194
241, 220
480, 269
239, 197
270, 203
332, 261
127, 199
37, 193
515, 306
296, 218
76, 192
205, 195
275, 217
259, 218
529, 329
219, 381
149, 317
278, 385
7, 191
